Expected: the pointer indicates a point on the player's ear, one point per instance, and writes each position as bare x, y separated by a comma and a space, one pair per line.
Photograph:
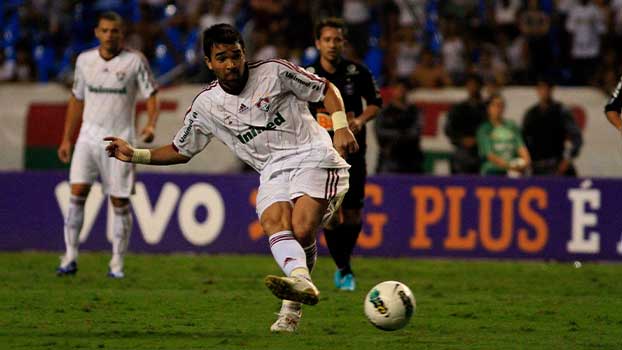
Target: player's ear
208, 62
317, 44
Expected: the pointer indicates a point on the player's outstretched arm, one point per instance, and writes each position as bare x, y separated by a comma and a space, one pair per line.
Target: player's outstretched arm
123, 151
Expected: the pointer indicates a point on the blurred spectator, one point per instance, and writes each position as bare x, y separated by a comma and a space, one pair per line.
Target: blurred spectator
547, 127
263, 48
535, 24
429, 73
505, 13
586, 24
407, 49
215, 14
462, 122
607, 73
7, 68
454, 53
356, 13
517, 54
398, 130
500, 143
491, 66
24, 65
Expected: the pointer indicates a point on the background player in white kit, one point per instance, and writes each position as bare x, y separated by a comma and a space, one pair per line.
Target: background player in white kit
107, 80
259, 110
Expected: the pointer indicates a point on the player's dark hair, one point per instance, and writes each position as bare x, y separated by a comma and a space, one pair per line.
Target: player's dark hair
220, 34
110, 16
332, 22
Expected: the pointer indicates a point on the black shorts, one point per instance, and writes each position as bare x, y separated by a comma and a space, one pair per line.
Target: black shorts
355, 197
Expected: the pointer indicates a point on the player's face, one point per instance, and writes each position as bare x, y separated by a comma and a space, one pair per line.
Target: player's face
331, 43
227, 61
109, 34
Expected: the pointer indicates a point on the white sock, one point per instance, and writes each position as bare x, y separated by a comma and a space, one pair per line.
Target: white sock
73, 226
287, 252
288, 305
121, 230
311, 254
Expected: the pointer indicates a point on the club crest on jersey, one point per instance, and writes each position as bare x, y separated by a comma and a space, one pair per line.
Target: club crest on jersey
263, 104
243, 108
120, 76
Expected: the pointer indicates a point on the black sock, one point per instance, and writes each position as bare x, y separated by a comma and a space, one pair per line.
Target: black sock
337, 247
350, 234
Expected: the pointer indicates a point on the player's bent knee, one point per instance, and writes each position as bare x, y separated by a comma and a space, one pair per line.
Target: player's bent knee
304, 229
275, 219
80, 190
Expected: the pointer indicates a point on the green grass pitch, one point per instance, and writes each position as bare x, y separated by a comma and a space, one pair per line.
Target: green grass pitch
219, 302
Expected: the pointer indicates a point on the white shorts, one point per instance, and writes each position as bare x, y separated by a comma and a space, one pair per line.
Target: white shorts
287, 185
91, 160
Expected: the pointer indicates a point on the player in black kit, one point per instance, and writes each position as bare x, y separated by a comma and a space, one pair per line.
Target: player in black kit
355, 83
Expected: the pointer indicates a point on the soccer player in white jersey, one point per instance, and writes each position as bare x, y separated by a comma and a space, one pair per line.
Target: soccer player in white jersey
260, 111
107, 80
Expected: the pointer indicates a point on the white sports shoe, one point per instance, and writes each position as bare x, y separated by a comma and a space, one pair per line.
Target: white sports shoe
287, 321
293, 288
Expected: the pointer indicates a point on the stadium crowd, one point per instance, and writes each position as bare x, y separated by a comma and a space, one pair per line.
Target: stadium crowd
406, 43
429, 43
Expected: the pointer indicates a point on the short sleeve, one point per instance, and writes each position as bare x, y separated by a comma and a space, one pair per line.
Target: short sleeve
79, 83
144, 78
194, 136
370, 90
305, 85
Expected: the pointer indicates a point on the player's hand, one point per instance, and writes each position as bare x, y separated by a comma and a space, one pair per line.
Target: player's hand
119, 148
64, 151
355, 125
344, 142
148, 133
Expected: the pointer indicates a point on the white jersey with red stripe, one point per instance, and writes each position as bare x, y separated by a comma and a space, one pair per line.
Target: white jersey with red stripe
108, 89
268, 125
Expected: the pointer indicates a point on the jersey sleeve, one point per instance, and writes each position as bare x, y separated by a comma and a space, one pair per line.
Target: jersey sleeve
79, 83
370, 91
144, 78
305, 85
194, 136
615, 102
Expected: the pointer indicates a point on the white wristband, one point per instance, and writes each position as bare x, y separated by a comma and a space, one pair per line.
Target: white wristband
141, 156
340, 120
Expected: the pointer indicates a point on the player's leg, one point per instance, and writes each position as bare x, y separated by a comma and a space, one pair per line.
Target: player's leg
274, 208
121, 231
82, 174
118, 182
289, 255
306, 216
341, 235
350, 229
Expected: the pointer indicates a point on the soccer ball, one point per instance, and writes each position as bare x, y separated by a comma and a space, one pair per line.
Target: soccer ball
389, 305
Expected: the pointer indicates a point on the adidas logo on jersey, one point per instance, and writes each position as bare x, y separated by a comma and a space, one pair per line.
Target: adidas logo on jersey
254, 131
243, 108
